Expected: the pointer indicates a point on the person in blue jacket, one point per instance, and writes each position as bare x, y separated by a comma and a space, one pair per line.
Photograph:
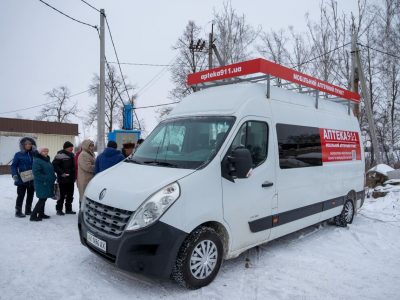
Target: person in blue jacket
44, 178
108, 158
22, 162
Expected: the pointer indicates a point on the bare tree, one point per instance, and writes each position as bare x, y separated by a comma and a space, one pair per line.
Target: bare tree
115, 97
186, 61
59, 108
235, 37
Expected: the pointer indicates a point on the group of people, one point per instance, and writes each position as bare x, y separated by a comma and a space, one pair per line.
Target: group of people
33, 171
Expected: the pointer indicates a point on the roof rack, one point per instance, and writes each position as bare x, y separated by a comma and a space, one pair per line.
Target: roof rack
260, 69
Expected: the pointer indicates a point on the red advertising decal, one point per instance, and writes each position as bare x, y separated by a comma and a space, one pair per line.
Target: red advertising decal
264, 66
339, 145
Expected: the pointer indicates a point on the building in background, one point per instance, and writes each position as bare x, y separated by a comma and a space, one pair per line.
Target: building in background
49, 134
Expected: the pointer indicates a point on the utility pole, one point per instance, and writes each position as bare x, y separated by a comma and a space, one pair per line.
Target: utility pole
354, 71
101, 92
357, 71
210, 47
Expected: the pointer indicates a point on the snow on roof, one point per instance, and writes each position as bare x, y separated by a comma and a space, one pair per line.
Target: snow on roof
381, 169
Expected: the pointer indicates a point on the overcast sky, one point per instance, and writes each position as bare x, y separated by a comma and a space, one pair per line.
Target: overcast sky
41, 49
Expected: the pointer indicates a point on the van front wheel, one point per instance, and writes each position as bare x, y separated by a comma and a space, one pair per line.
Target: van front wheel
347, 214
199, 258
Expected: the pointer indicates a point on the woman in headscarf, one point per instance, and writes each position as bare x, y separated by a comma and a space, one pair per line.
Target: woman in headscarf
86, 166
44, 178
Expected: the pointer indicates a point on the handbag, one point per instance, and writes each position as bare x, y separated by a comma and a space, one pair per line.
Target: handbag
26, 176
56, 192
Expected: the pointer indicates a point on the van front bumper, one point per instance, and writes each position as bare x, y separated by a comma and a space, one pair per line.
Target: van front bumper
149, 251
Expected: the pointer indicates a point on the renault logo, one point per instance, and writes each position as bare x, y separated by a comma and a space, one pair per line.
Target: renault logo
102, 194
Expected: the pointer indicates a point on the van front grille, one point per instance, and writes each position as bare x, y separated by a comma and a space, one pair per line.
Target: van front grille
105, 218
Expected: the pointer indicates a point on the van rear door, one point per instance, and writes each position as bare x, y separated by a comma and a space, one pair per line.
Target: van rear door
247, 202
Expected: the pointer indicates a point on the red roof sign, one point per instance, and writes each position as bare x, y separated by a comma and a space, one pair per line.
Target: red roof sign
264, 66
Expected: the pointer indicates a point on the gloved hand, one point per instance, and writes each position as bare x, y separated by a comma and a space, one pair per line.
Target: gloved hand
15, 178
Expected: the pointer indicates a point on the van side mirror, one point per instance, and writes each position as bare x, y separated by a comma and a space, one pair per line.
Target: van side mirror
237, 164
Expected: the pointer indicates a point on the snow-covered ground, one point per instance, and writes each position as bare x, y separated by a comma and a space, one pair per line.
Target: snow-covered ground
45, 260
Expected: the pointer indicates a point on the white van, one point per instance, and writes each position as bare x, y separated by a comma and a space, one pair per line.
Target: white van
232, 167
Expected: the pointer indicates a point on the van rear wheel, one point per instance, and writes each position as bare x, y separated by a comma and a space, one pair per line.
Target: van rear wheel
199, 258
347, 214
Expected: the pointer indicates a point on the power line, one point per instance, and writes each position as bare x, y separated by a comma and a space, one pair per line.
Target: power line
380, 51
43, 104
157, 105
319, 56
156, 77
65, 15
140, 64
120, 69
90, 5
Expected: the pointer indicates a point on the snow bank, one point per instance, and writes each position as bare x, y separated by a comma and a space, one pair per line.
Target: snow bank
385, 209
381, 168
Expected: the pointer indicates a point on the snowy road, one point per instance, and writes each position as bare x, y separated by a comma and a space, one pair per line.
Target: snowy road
45, 260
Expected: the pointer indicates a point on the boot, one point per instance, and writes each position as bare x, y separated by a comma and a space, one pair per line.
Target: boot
41, 211
38, 210
28, 210
19, 214
68, 209
60, 213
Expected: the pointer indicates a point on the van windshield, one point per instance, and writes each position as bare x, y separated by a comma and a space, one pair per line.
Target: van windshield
186, 143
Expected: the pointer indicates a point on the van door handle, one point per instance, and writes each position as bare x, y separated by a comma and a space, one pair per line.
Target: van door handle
267, 184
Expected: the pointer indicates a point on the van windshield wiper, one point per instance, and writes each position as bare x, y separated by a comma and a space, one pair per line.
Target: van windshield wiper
133, 161
160, 163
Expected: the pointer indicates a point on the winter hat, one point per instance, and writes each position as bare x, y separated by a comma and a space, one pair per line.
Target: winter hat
41, 149
112, 144
67, 144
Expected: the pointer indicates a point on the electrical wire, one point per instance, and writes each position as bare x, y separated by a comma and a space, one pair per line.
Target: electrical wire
43, 104
68, 16
91, 6
139, 64
380, 51
157, 105
120, 69
319, 56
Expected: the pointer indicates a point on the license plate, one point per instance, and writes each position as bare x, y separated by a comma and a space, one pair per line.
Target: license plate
98, 243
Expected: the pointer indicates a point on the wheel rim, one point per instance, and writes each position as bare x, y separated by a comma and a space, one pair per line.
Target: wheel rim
348, 211
203, 259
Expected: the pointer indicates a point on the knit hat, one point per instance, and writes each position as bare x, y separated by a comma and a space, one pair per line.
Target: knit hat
67, 144
41, 149
112, 144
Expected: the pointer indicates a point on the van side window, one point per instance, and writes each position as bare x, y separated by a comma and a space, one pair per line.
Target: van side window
254, 136
299, 146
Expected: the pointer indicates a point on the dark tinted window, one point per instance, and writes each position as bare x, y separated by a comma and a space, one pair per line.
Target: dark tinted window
299, 146
254, 136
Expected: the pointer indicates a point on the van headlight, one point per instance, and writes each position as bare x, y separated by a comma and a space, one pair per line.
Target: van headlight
153, 208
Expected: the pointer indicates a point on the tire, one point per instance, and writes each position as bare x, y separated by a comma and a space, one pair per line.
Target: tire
347, 214
193, 271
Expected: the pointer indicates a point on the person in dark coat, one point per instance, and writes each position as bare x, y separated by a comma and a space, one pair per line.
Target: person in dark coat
22, 162
110, 157
64, 166
44, 179
127, 149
